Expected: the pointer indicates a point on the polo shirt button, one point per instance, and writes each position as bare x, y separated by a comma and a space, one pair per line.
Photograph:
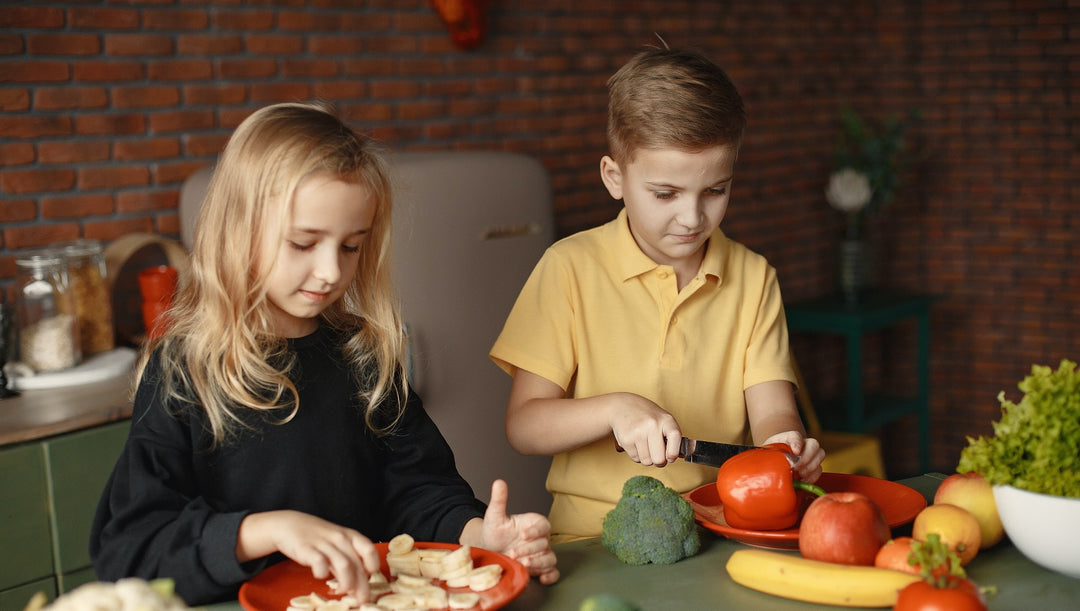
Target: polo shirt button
674, 320
663, 275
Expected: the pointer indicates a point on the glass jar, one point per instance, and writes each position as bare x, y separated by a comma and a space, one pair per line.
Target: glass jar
46, 327
86, 275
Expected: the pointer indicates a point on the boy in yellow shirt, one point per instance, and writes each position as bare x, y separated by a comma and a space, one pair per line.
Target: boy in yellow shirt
655, 325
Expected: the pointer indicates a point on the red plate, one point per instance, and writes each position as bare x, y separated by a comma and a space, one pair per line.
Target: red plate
898, 502
272, 589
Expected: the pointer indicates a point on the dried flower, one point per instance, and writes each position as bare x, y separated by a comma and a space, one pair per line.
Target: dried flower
848, 190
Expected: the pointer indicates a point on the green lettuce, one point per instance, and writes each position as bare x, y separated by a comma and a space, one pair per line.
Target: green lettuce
1036, 444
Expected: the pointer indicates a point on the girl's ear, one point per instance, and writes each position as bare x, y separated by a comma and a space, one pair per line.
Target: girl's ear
611, 174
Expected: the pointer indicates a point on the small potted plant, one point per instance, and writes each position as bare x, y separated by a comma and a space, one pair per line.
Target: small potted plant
868, 164
1033, 463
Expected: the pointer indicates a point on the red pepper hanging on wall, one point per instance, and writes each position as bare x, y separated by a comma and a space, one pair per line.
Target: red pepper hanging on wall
464, 19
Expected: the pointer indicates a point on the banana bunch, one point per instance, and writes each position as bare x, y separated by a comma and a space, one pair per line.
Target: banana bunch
799, 578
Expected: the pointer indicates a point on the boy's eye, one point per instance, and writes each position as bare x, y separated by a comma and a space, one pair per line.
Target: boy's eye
717, 191
663, 194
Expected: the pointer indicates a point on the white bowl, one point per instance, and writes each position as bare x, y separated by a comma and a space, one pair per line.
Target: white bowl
1045, 528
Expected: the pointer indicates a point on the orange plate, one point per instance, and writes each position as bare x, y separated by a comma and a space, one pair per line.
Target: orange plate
898, 502
272, 589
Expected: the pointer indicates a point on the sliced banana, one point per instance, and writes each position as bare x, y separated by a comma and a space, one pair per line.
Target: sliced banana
401, 544
463, 600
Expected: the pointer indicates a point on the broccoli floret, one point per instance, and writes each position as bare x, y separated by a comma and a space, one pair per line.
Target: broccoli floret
606, 602
650, 523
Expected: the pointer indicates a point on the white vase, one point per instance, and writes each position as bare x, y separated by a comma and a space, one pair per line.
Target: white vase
856, 268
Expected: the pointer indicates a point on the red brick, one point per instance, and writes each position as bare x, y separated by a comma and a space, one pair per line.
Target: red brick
339, 90
14, 126
108, 70
246, 68
110, 124
306, 21
273, 44
16, 153
11, 44
217, 94
348, 44
180, 120
209, 44
70, 98
15, 210
258, 20
173, 19
311, 68
31, 17
77, 206
147, 201
113, 177
145, 97
39, 71
138, 45
146, 149
180, 70
35, 236
201, 145
63, 44
107, 231
280, 92
103, 18
68, 151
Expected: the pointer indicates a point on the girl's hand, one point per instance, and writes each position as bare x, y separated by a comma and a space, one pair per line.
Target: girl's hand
809, 467
525, 537
649, 435
325, 547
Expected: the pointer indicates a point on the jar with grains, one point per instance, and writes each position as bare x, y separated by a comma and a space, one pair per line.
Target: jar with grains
89, 290
46, 328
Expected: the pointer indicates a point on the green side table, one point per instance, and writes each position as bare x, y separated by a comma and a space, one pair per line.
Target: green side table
875, 310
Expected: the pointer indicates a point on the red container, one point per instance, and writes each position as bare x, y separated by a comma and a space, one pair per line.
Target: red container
155, 318
158, 283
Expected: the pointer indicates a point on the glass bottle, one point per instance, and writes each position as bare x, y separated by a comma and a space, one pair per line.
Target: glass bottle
46, 325
86, 275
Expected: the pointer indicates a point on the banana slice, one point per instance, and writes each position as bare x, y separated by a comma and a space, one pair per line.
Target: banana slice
484, 577
401, 544
463, 600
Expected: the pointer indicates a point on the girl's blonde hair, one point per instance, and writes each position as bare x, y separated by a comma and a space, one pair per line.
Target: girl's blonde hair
670, 99
220, 351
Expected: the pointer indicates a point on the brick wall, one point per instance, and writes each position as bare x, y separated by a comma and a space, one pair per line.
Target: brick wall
105, 107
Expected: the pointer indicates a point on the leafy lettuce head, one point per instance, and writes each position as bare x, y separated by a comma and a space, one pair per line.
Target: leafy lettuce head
1036, 444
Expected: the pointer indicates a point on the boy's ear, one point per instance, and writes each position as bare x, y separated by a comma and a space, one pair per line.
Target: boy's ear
611, 174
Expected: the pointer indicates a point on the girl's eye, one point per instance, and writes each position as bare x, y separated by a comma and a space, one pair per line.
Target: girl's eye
301, 247
350, 249
717, 191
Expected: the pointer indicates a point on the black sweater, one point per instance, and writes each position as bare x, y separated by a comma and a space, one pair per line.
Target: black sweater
172, 507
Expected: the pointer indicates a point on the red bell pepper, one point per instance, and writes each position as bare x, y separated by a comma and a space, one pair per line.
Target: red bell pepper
758, 490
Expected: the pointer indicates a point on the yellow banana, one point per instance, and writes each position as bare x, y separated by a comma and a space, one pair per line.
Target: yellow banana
799, 578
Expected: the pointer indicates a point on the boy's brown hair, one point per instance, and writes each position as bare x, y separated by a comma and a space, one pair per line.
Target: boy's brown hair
664, 98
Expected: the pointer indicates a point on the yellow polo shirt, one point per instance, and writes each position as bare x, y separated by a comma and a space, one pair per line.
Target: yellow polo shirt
597, 315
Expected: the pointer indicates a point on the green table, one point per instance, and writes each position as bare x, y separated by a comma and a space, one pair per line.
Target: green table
874, 311
701, 582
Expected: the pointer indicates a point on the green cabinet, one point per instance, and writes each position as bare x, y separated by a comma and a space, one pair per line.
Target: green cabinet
49, 490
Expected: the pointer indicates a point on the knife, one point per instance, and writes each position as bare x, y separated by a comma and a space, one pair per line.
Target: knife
714, 454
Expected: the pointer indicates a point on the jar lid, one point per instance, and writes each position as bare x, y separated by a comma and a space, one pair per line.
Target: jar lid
39, 258
80, 248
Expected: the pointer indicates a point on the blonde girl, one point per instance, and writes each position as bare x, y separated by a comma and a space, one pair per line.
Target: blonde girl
273, 418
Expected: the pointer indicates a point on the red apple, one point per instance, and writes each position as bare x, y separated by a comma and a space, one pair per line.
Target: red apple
843, 528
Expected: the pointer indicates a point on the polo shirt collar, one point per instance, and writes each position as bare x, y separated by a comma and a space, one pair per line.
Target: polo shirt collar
631, 261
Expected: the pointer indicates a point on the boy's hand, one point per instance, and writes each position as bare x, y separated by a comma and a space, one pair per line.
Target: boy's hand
649, 435
325, 547
808, 468
525, 537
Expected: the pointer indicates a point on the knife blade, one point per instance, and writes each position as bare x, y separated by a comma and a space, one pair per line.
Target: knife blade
714, 453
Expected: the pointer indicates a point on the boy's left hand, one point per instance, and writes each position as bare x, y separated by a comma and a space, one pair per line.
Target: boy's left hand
525, 537
808, 468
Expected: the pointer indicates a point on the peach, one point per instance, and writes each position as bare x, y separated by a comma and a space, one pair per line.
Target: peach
958, 529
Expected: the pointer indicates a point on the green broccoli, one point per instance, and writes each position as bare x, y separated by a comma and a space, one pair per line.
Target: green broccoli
606, 602
650, 523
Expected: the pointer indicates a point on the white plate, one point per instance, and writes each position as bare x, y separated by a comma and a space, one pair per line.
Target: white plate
98, 368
